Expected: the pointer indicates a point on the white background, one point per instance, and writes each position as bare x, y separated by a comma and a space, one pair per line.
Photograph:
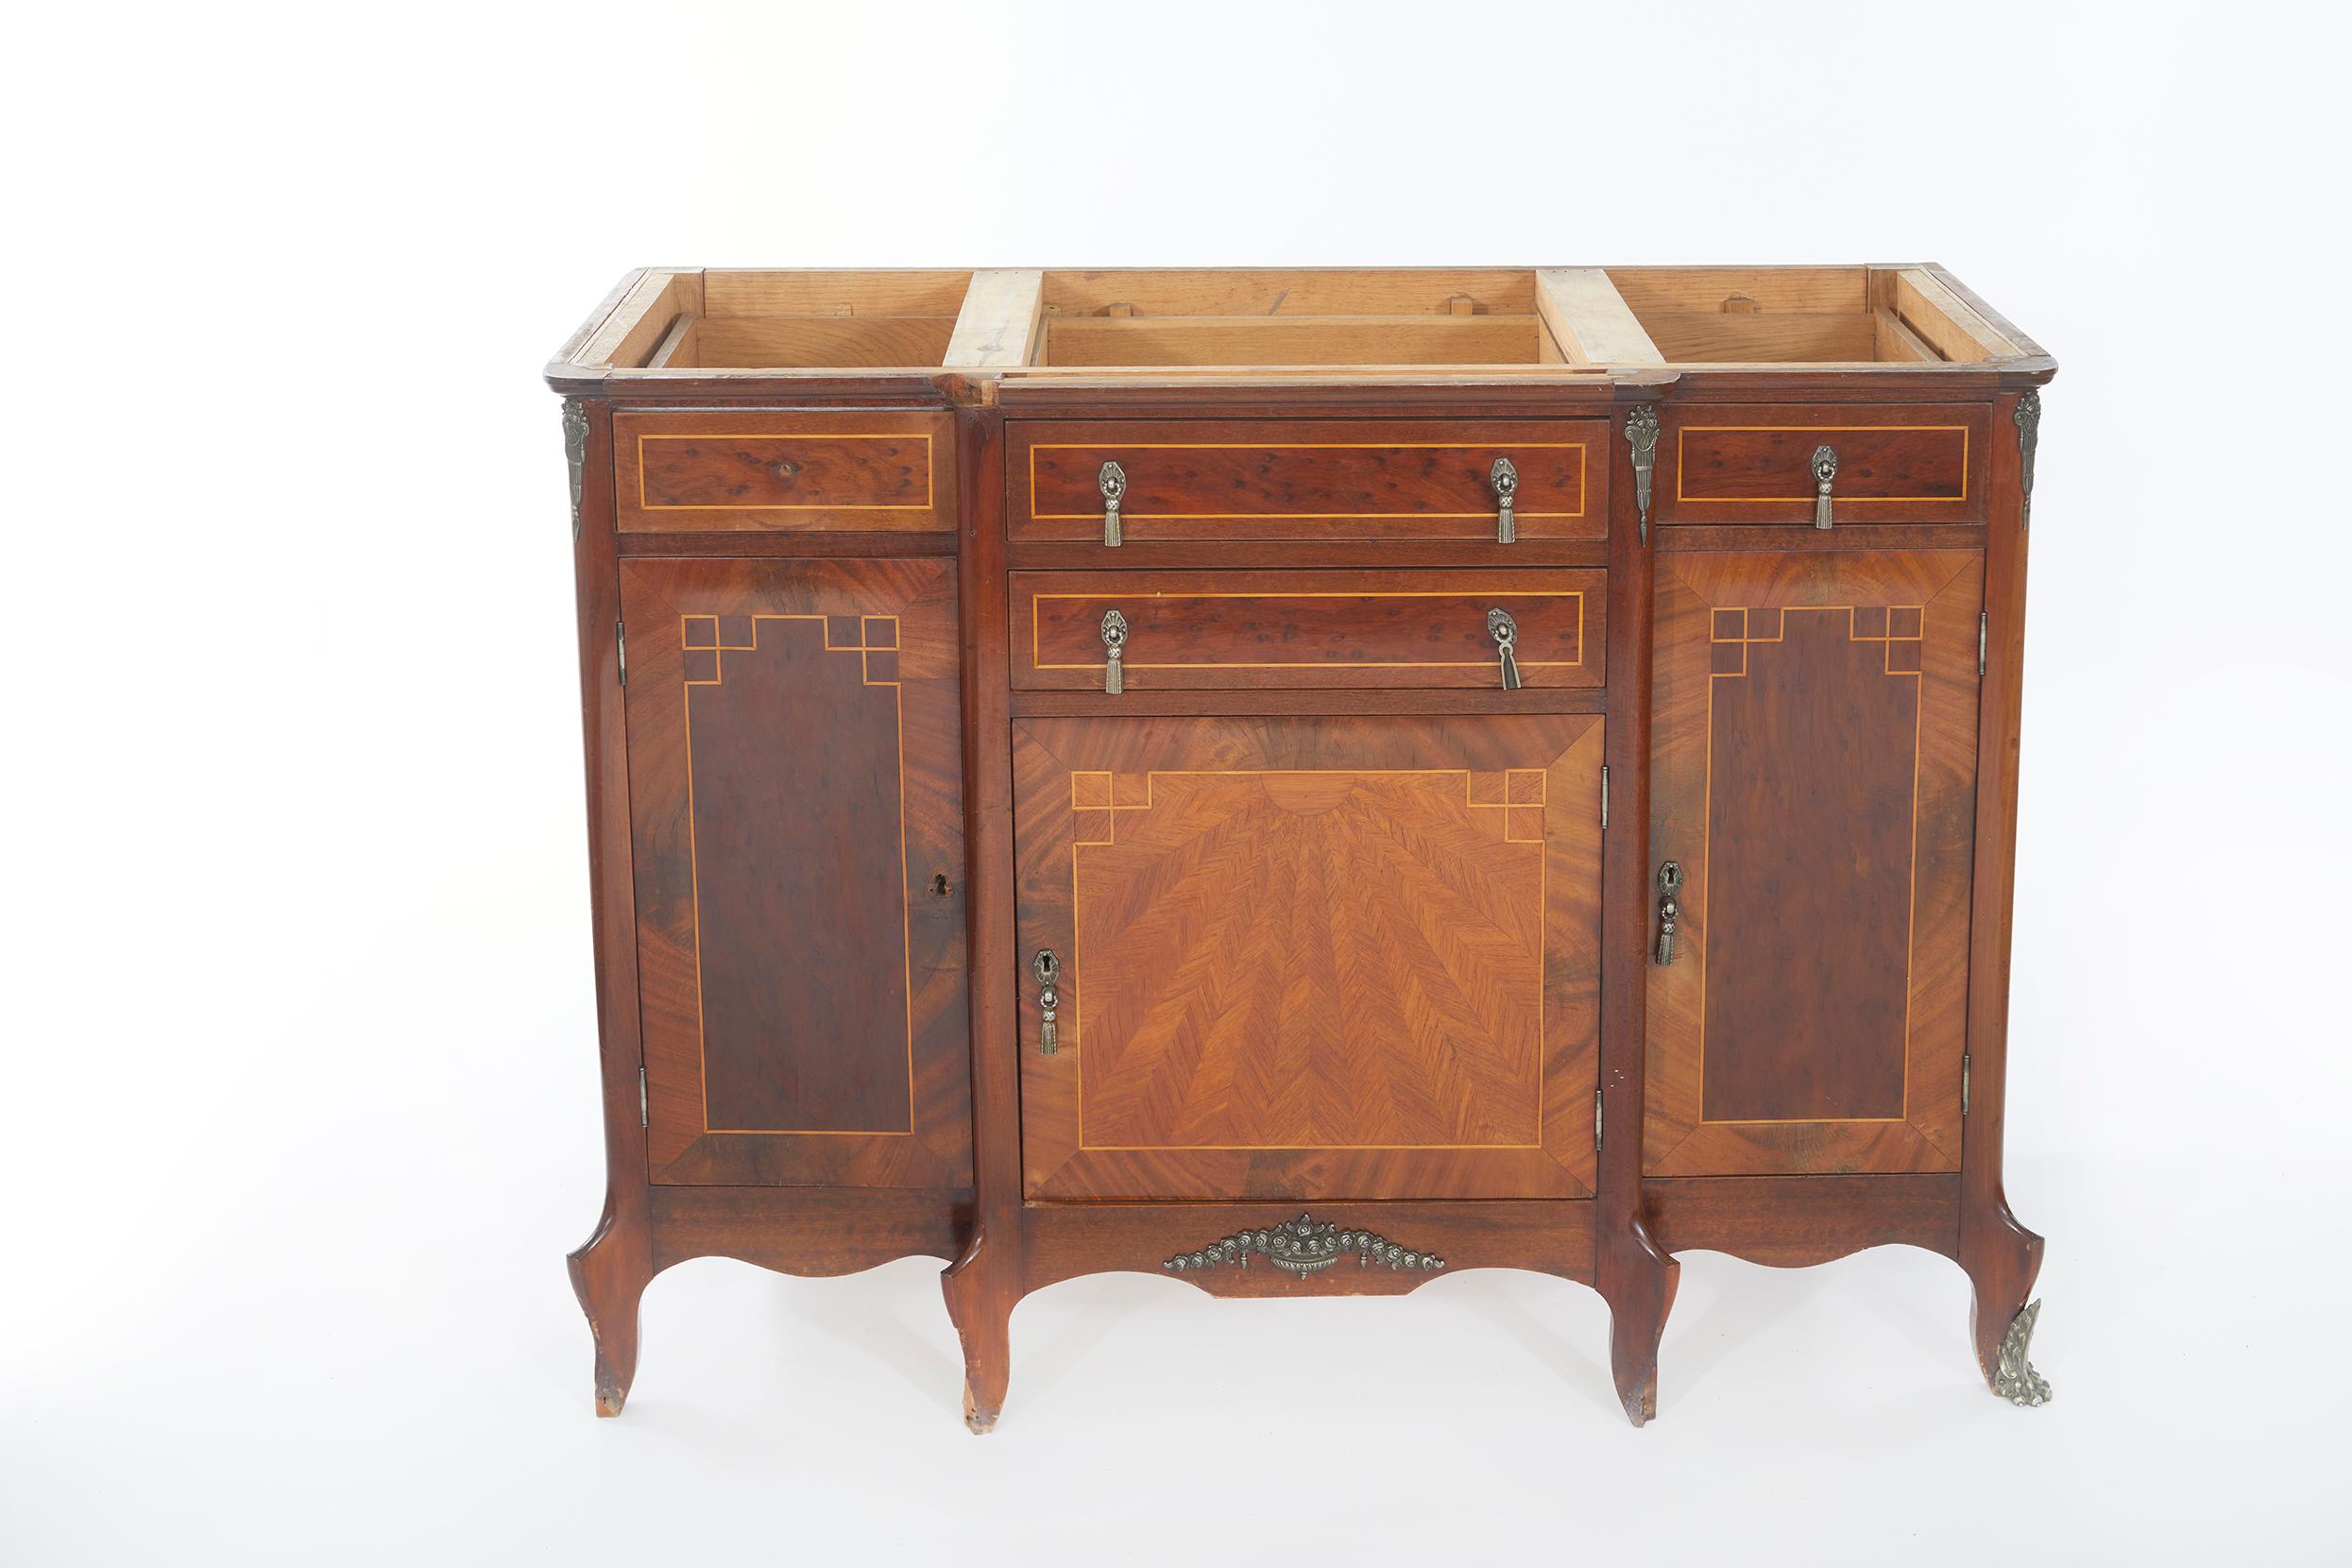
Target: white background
299, 1075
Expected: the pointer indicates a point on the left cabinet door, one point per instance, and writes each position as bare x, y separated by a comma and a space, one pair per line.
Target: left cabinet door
794, 785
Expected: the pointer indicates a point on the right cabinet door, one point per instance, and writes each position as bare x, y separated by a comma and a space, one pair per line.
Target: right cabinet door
1813, 767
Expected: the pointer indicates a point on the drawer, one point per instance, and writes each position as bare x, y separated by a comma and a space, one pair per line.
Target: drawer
688, 471
1307, 480
1747, 462
1251, 630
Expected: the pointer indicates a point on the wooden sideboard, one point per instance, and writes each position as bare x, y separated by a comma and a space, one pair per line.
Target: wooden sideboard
1301, 781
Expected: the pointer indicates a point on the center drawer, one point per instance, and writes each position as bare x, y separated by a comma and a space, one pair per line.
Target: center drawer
1260, 630
1310, 480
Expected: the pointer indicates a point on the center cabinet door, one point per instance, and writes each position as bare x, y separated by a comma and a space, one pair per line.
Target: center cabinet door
1311, 958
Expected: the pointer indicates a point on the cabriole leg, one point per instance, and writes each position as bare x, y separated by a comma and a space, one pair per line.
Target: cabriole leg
980, 1297
2002, 1259
609, 1274
1638, 1280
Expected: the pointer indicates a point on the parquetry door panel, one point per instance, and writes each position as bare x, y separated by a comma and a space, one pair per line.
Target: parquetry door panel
1813, 775
794, 770
1311, 958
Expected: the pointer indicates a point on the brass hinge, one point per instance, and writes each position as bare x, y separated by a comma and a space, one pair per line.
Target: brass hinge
621, 642
1963, 1084
642, 1118
1604, 798
1983, 633
1597, 1121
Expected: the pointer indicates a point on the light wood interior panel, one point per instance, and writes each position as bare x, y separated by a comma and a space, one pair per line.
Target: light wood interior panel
861, 341
1295, 340
1029, 320
793, 292
1805, 315
1700, 338
1290, 291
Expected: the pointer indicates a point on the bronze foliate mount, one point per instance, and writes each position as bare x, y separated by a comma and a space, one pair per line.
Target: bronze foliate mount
1303, 1247
575, 454
2015, 1379
2028, 417
1642, 435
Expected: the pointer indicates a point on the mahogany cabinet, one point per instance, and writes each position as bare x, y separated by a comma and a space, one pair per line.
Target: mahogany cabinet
1301, 781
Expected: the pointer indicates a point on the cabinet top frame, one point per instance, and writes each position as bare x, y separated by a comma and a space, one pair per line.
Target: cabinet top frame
961, 334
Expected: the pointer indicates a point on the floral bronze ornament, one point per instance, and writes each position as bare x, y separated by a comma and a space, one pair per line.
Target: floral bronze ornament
1303, 1247
575, 454
2028, 418
1642, 435
2014, 1379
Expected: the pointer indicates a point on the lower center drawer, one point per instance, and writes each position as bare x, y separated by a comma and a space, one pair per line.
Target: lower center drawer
1253, 630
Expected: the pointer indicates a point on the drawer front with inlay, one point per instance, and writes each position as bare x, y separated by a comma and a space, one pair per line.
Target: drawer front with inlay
1307, 480
1241, 630
1838, 463
883, 472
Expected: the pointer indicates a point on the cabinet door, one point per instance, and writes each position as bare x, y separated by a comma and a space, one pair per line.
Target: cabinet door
1311, 958
1813, 763
795, 771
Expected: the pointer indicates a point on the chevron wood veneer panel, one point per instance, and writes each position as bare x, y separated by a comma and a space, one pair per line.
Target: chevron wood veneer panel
1313, 958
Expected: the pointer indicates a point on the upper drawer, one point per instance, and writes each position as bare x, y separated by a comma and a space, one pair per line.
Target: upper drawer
685, 470
1733, 463
1307, 480
1244, 630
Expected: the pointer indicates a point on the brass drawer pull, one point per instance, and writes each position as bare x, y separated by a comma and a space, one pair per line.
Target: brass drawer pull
1047, 969
1669, 883
1505, 631
1114, 482
1504, 478
1824, 476
1114, 644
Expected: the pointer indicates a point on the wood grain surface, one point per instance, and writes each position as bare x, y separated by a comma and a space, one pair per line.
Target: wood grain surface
1308, 630
1303, 479
1752, 463
1814, 770
1316, 958
795, 767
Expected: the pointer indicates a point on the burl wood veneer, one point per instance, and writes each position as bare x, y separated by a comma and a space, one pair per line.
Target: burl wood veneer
1301, 781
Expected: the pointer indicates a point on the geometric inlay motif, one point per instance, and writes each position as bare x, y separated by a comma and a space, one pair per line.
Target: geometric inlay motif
1097, 797
1902, 628
706, 639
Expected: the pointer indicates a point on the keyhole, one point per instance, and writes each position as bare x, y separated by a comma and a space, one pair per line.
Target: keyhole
939, 885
